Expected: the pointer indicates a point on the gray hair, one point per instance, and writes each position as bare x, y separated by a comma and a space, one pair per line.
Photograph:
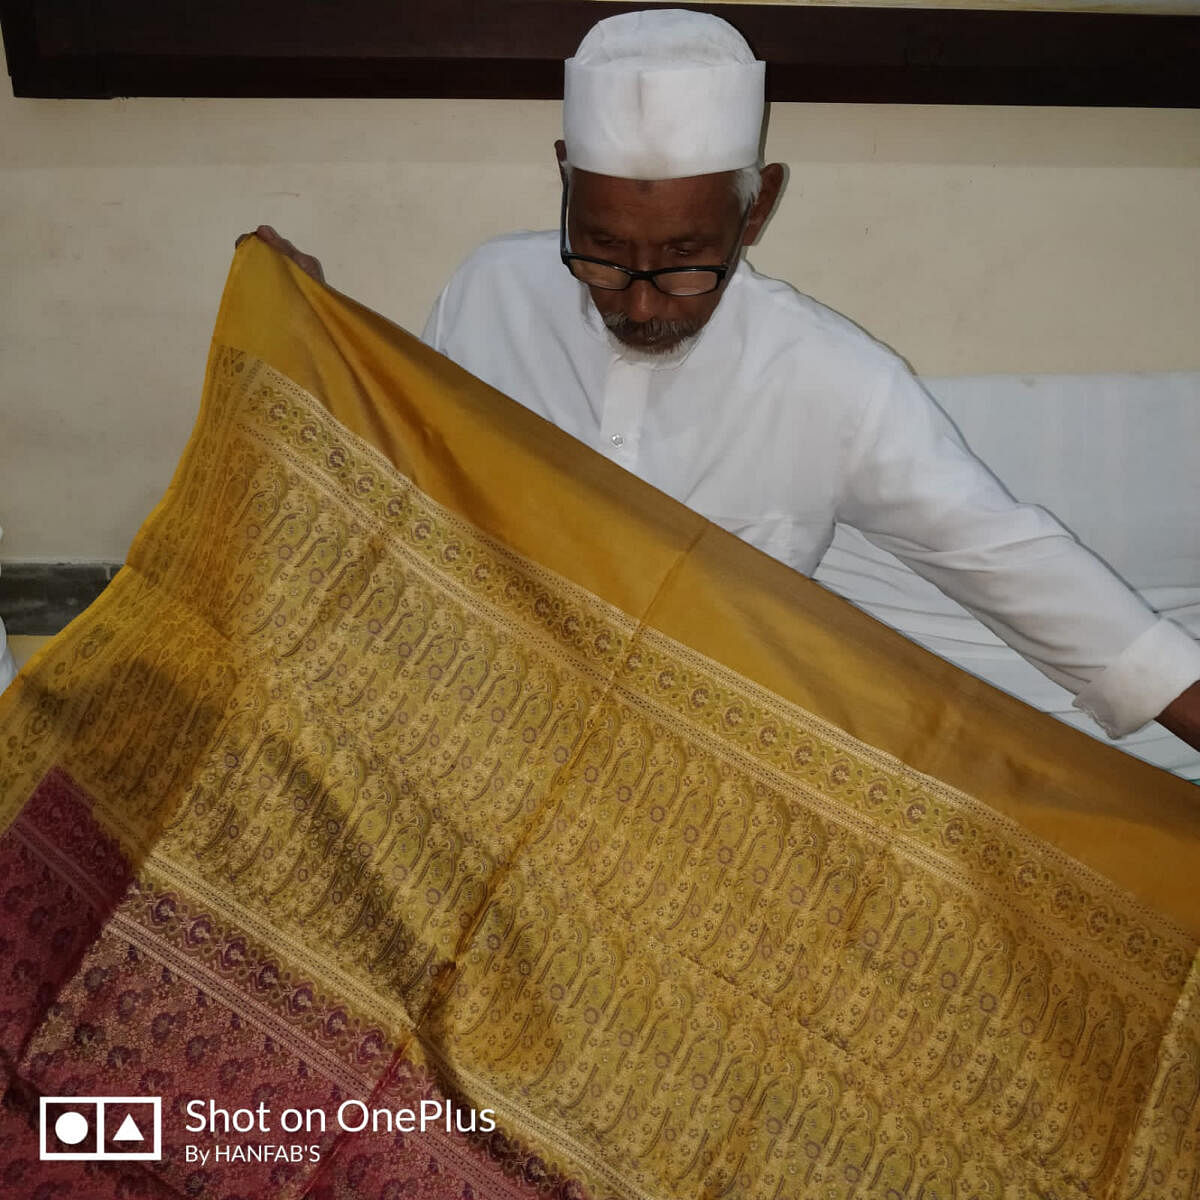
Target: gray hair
747, 183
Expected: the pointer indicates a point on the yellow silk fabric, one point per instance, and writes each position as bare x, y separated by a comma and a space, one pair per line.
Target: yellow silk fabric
708, 884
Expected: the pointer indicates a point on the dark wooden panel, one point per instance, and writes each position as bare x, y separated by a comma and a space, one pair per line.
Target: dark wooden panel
42, 598
514, 48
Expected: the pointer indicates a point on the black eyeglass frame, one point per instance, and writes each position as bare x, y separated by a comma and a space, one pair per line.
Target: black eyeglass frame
720, 270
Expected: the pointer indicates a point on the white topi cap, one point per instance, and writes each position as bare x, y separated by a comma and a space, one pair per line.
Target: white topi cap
663, 94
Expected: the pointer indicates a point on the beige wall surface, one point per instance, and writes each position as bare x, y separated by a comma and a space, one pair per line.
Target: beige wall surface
973, 240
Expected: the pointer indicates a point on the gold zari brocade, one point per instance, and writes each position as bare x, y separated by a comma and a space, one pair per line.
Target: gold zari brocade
707, 884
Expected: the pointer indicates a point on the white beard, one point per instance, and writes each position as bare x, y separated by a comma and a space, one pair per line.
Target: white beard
654, 358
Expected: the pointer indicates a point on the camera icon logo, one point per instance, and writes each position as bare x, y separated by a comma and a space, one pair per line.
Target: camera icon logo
101, 1128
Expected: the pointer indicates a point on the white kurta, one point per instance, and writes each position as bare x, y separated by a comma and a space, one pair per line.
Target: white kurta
786, 418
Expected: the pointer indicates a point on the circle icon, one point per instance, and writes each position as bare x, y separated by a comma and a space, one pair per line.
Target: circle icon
71, 1128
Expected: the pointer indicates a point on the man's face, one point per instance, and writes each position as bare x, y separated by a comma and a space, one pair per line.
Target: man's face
647, 224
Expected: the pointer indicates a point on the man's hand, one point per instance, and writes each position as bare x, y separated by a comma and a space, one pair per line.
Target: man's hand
306, 262
1182, 716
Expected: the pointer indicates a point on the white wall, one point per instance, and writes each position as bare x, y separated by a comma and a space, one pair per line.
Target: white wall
973, 240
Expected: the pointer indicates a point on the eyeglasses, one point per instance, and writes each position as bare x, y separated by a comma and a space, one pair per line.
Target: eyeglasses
671, 281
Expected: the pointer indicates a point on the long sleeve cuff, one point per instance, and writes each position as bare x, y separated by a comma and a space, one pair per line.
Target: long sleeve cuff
1143, 679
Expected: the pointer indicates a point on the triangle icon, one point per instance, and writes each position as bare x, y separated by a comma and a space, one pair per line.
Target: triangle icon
128, 1132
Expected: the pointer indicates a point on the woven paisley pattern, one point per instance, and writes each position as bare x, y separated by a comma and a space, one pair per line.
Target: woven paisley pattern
335, 795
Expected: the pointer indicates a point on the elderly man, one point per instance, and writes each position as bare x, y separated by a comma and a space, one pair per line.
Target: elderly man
637, 328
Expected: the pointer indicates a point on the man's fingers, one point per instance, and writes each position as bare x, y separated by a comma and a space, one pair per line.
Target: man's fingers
310, 266
266, 234
306, 262
275, 241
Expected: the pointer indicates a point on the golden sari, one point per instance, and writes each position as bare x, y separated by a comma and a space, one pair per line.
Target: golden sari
419, 754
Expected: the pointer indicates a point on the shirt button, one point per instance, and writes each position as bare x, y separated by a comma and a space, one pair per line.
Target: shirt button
618, 440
